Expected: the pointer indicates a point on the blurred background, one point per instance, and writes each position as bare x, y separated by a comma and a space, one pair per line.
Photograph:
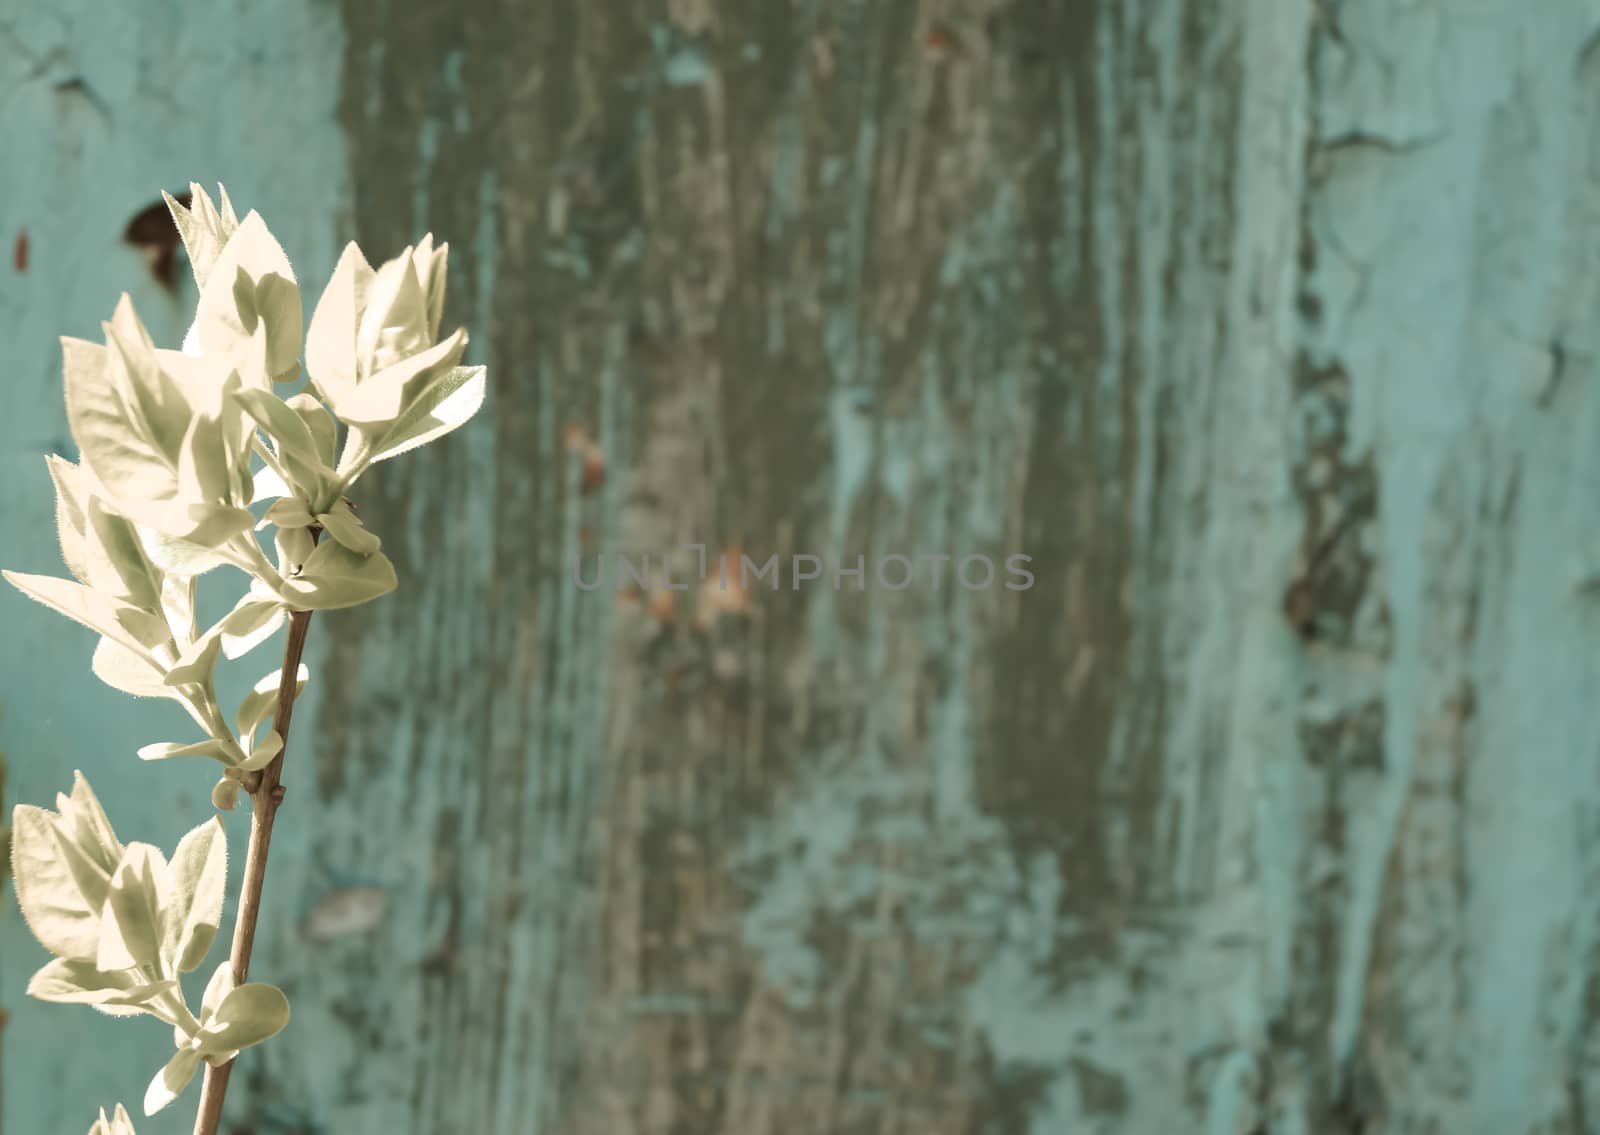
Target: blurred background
1265, 327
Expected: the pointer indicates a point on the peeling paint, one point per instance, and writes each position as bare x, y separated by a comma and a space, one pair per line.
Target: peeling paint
1269, 809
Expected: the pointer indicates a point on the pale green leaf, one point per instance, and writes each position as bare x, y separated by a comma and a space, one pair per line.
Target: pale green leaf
380, 397
157, 403
138, 630
248, 625
119, 1124
130, 671
294, 546
169, 1083
277, 301
207, 524
321, 424
61, 864
178, 556
130, 925
294, 443
204, 229
101, 548
123, 1010
247, 1016
269, 484
262, 752
331, 340
112, 541
333, 576
214, 456
86, 824
344, 526
200, 380
108, 426
131, 419
432, 266
77, 981
224, 752
198, 663
449, 401
221, 329
288, 512
74, 487
244, 301
203, 464
394, 325
199, 873
260, 702
178, 607
225, 794
50, 893
221, 984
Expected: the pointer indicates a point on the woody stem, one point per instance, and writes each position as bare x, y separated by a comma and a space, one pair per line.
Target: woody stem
265, 796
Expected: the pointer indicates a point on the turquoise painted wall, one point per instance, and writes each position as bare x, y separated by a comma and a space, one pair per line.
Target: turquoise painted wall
1262, 325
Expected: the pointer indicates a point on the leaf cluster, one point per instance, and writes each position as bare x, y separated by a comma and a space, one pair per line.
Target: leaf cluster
124, 922
185, 457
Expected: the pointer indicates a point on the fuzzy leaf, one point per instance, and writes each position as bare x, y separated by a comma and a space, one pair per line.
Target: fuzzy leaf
221, 984
84, 823
178, 556
262, 752
64, 918
130, 927
380, 398
118, 1124
294, 546
225, 794
394, 325
288, 512
125, 413
127, 574
248, 625
247, 1016
277, 301
294, 443
62, 864
169, 1083
344, 526
203, 227
198, 663
76, 981
323, 428
448, 402
333, 576
130, 671
199, 875
331, 340
269, 484
157, 401
432, 268
223, 751
73, 490
213, 475
259, 703
177, 606
127, 624
222, 329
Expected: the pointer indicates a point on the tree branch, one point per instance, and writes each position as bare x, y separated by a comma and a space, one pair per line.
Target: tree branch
265, 796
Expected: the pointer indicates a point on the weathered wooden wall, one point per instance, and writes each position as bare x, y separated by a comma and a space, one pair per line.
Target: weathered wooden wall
1190, 301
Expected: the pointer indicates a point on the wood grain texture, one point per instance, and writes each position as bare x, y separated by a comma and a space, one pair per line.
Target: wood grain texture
1270, 809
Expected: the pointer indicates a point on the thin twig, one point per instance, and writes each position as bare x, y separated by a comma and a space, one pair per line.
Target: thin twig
265, 796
